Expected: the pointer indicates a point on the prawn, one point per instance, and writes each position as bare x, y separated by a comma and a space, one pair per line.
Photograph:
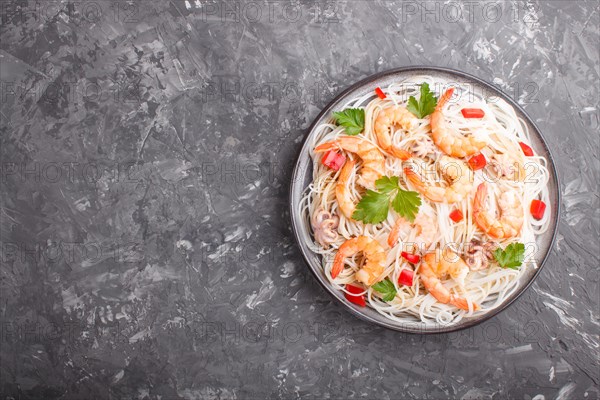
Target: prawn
388, 118
431, 271
341, 189
374, 263
454, 169
506, 166
425, 225
373, 166
451, 142
511, 214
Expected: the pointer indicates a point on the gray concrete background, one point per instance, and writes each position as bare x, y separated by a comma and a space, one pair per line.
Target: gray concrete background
146, 152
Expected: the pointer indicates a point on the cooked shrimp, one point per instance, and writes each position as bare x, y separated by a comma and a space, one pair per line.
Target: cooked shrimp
342, 193
430, 272
373, 160
511, 214
324, 227
425, 225
506, 166
395, 232
386, 120
451, 142
454, 169
373, 252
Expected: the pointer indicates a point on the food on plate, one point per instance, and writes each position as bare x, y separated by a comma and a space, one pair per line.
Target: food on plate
424, 201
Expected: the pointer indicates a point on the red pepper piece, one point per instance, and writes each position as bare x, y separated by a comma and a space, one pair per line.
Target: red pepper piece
411, 258
537, 209
472, 112
380, 93
528, 151
333, 160
355, 297
406, 277
477, 162
456, 215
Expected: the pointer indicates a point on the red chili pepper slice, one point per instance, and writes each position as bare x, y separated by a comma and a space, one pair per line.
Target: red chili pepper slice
333, 160
528, 151
355, 297
411, 258
406, 277
456, 215
537, 209
477, 162
380, 93
472, 112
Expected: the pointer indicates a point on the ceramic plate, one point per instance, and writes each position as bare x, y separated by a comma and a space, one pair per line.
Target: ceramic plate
302, 177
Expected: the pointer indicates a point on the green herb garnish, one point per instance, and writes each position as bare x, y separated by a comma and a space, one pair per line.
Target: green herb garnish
512, 256
374, 206
425, 105
386, 288
353, 119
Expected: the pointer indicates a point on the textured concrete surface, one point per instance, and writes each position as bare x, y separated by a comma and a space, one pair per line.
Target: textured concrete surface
146, 150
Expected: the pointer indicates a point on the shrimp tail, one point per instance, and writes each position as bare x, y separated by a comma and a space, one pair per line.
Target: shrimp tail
326, 147
432, 193
461, 303
444, 99
400, 153
338, 262
395, 232
414, 178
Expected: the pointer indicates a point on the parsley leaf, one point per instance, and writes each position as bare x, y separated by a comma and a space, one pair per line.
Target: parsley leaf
512, 256
386, 288
353, 119
407, 203
425, 105
374, 206
387, 184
